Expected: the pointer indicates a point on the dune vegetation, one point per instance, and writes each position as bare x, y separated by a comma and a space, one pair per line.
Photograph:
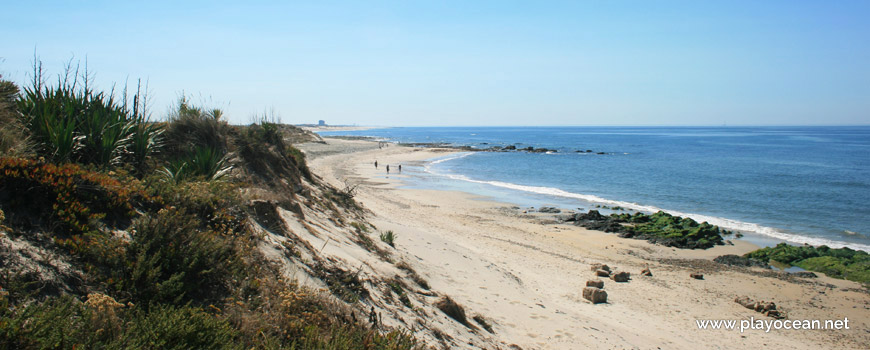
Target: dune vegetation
119, 231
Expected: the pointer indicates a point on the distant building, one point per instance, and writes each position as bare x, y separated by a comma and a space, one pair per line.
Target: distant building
321, 123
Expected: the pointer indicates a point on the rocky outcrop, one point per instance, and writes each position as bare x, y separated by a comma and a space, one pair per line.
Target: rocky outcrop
659, 228
593, 220
804, 274
736, 260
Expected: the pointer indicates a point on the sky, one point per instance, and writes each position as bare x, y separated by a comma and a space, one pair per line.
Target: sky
438, 63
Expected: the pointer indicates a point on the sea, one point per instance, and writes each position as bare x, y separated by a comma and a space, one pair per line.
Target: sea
800, 185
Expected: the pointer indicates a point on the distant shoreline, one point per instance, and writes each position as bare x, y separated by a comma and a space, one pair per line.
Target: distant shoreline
320, 128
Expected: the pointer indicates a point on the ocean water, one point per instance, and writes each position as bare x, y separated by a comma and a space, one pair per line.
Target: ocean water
795, 184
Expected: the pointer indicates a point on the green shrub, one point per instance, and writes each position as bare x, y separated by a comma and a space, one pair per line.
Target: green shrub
13, 139
68, 197
145, 142
192, 127
347, 337
66, 323
202, 163
71, 122
216, 205
389, 238
168, 327
174, 261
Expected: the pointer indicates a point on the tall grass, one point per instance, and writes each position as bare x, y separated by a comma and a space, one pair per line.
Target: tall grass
13, 139
202, 163
70, 121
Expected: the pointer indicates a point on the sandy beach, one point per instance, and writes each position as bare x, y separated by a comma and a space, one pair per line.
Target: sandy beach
526, 272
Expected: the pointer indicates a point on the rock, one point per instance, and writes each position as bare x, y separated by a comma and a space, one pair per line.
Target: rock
600, 266
775, 314
621, 276
511, 147
592, 215
646, 272
736, 260
595, 283
553, 210
565, 217
602, 273
745, 301
764, 307
594, 295
697, 276
804, 274
767, 308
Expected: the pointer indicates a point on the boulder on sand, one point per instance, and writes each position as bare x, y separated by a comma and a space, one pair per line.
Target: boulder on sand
553, 210
646, 272
697, 276
600, 266
602, 273
594, 295
621, 276
595, 283
745, 301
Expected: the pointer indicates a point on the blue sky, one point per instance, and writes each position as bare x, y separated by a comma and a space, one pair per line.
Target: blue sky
468, 62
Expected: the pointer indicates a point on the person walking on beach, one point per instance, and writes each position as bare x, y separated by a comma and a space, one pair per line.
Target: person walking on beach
400, 168
388, 168
376, 164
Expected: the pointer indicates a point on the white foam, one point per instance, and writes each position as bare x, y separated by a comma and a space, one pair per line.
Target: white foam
721, 222
452, 157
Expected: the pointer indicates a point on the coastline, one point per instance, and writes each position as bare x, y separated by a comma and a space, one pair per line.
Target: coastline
673, 170
319, 128
525, 272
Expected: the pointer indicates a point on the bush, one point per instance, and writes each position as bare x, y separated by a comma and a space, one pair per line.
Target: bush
216, 205
168, 327
71, 122
13, 139
70, 198
389, 238
192, 127
262, 147
66, 323
202, 163
173, 261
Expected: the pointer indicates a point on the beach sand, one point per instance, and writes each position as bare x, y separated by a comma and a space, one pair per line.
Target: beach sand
525, 272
